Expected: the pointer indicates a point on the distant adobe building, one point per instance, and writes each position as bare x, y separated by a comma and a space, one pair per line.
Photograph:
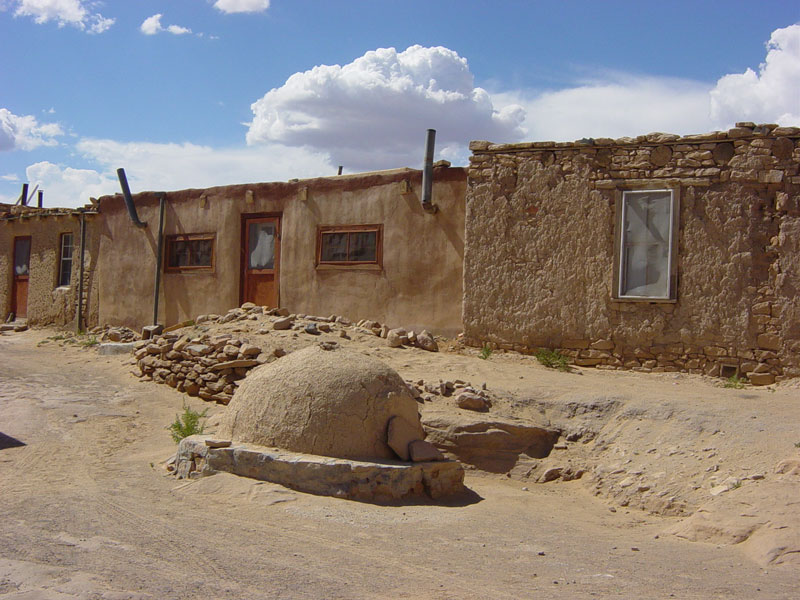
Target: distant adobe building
660, 253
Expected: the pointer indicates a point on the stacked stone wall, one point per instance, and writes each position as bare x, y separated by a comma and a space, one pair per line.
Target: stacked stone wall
540, 251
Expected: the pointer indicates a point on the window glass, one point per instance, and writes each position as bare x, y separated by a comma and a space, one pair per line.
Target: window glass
65, 264
261, 246
363, 246
190, 252
334, 247
646, 235
22, 255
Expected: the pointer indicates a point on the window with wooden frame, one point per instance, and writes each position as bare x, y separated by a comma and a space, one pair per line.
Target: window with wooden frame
189, 253
646, 245
65, 259
350, 245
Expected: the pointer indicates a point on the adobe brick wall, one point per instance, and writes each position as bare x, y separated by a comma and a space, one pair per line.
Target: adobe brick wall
539, 251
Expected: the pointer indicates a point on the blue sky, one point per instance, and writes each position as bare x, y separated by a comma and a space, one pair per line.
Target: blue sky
214, 92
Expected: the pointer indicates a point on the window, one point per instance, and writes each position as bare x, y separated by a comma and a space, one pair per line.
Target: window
350, 245
65, 259
193, 252
646, 241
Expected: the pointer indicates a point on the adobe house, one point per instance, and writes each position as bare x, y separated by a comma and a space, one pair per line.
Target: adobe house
40, 265
659, 253
360, 246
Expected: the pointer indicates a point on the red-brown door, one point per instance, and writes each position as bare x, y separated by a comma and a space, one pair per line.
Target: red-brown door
261, 250
19, 291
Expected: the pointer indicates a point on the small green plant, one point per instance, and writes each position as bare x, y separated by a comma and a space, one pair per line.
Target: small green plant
189, 423
485, 352
552, 359
89, 341
733, 382
797, 444
736, 485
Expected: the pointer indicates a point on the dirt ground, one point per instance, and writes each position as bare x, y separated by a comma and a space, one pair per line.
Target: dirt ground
86, 510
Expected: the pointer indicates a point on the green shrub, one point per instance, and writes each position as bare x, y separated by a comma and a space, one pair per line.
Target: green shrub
552, 359
485, 352
189, 423
733, 382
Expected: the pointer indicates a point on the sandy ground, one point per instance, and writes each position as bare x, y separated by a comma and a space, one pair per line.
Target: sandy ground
86, 510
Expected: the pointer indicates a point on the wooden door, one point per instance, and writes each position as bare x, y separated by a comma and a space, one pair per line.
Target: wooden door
19, 291
261, 250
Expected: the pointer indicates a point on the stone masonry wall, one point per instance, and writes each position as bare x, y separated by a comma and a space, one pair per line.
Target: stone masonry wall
539, 251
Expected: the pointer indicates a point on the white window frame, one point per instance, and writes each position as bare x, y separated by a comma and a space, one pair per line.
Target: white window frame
619, 245
62, 259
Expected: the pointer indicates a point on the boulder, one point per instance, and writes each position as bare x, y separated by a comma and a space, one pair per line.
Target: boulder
471, 401
282, 323
426, 342
401, 433
422, 451
393, 340
492, 444
335, 403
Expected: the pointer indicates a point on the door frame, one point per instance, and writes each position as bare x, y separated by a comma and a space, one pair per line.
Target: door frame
15, 277
245, 217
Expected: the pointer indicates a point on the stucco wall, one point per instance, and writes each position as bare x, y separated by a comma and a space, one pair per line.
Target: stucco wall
47, 303
419, 285
540, 251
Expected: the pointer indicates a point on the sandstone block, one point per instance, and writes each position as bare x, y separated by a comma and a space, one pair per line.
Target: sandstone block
761, 378
400, 433
422, 451
426, 342
472, 401
769, 341
282, 323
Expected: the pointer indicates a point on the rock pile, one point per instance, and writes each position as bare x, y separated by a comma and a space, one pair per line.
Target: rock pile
466, 396
205, 366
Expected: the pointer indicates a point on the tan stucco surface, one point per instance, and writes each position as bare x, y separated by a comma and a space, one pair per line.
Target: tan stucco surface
48, 303
418, 286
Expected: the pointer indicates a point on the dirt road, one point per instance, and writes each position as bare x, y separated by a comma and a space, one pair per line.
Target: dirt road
87, 512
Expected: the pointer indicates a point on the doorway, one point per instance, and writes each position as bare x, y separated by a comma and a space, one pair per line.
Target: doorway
261, 250
21, 275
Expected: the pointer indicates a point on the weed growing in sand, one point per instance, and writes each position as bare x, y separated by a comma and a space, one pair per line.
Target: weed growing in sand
733, 382
189, 423
485, 352
552, 359
797, 444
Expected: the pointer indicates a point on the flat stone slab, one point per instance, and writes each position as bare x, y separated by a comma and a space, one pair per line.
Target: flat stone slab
112, 348
322, 475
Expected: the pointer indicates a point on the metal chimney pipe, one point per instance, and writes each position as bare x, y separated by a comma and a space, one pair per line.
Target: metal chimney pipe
126, 193
24, 196
427, 170
41, 193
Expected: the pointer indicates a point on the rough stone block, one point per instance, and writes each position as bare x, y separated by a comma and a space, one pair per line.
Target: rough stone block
769, 341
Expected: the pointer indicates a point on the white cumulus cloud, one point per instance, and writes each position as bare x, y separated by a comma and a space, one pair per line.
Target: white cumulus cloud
770, 96
152, 25
153, 166
67, 186
25, 132
241, 6
614, 106
373, 112
76, 13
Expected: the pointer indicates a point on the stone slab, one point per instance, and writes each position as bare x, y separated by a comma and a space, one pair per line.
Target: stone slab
114, 348
322, 475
